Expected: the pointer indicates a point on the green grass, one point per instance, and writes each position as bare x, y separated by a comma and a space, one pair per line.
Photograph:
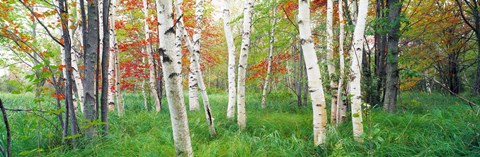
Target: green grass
425, 125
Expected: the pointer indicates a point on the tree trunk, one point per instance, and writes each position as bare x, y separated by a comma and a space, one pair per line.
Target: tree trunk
269, 59
355, 70
196, 40
112, 57
380, 53
453, 79
118, 80
68, 66
231, 60
392, 86
172, 68
331, 63
242, 63
91, 51
105, 63
313, 73
477, 33
151, 64
341, 106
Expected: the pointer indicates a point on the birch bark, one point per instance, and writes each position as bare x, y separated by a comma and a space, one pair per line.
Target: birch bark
231, 60
112, 58
269, 59
313, 73
172, 68
355, 70
151, 64
242, 63
341, 106
331, 62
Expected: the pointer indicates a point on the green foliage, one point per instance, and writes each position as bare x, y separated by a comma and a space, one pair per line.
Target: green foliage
430, 125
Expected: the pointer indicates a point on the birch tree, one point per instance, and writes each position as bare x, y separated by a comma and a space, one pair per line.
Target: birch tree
172, 68
269, 59
112, 57
151, 64
341, 106
331, 62
231, 60
313, 73
242, 63
355, 70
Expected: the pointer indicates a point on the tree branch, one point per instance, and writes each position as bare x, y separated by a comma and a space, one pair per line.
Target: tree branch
41, 23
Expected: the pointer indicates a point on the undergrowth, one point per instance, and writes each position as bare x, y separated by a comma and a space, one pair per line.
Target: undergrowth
424, 125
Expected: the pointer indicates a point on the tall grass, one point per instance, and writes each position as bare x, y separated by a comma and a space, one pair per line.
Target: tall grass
425, 125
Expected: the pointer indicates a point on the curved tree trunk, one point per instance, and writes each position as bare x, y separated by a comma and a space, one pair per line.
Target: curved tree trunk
242, 63
355, 70
231, 60
172, 68
270, 55
313, 74
196, 47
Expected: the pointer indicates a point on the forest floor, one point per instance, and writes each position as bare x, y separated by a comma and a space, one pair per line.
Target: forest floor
424, 125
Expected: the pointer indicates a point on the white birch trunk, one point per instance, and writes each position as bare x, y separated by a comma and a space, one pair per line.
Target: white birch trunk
231, 60
118, 91
196, 47
142, 86
172, 68
151, 64
341, 108
269, 59
100, 25
355, 70
112, 58
315, 86
242, 63
331, 62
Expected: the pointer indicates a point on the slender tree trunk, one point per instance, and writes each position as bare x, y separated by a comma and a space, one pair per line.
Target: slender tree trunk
269, 59
91, 51
331, 63
145, 104
105, 63
68, 62
242, 63
120, 107
355, 70
313, 73
172, 68
193, 72
151, 64
112, 58
196, 47
380, 53
392, 86
341, 106
231, 60
78, 80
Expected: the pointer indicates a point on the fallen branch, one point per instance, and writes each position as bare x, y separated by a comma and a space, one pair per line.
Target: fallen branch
470, 103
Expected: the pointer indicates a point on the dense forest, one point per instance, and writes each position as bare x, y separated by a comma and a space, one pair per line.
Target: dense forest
240, 78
